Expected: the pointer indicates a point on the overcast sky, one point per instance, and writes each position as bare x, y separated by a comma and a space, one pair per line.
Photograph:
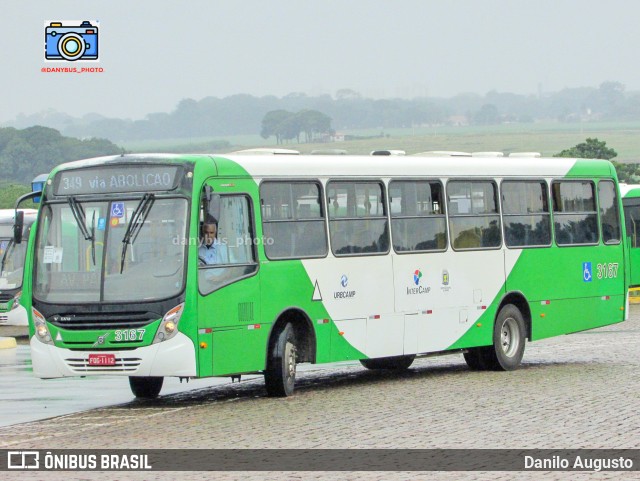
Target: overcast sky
156, 52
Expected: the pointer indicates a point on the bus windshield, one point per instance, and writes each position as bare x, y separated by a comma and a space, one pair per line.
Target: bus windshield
110, 251
12, 263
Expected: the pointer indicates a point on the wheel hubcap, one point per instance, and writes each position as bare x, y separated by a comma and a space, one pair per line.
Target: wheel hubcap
290, 356
509, 337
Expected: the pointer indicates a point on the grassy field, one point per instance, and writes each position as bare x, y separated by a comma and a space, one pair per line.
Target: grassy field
546, 138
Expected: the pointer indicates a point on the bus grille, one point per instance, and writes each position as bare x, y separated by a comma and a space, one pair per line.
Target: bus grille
97, 321
4, 318
123, 364
6, 297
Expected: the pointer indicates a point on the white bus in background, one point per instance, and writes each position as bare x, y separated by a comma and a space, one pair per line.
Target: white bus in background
12, 258
265, 151
487, 154
525, 154
442, 153
388, 152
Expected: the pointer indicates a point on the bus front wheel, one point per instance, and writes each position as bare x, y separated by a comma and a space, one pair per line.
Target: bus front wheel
280, 375
146, 387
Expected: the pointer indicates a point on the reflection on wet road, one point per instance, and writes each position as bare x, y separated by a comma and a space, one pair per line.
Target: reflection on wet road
27, 398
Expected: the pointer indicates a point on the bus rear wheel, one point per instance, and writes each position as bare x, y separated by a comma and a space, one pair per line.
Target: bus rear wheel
146, 387
397, 363
508, 344
280, 375
474, 359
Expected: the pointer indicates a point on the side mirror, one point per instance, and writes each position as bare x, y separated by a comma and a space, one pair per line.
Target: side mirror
18, 226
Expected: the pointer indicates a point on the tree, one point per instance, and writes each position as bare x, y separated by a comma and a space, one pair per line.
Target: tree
290, 128
285, 125
313, 122
9, 193
590, 149
347, 94
272, 124
487, 115
629, 173
36, 150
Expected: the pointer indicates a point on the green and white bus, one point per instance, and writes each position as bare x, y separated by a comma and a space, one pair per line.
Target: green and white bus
631, 206
12, 257
327, 258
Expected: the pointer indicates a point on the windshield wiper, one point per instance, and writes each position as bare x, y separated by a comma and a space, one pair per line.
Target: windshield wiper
80, 217
93, 238
138, 216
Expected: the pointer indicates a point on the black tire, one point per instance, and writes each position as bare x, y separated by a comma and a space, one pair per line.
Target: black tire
146, 387
397, 363
508, 342
280, 375
475, 359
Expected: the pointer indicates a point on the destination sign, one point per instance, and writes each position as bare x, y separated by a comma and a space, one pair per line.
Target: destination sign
116, 178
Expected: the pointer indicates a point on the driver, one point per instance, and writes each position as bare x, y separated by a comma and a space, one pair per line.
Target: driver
212, 251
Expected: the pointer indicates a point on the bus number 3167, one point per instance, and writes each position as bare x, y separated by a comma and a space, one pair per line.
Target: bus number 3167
608, 271
129, 335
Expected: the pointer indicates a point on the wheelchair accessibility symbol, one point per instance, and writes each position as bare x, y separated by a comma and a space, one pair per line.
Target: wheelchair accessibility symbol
587, 273
117, 209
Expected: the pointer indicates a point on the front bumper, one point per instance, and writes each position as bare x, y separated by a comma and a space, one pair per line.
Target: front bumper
175, 357
14, 317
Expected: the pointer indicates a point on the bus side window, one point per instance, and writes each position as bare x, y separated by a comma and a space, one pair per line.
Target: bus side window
575, 215
609, 216
234, 258
417, 222
293, 219
525, 210
359, 225
474, 219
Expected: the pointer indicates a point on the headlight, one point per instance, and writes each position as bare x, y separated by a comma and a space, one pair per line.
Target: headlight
169, 325
42, 331
16, 301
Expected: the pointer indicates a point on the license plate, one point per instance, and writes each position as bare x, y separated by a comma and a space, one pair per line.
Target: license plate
102, 359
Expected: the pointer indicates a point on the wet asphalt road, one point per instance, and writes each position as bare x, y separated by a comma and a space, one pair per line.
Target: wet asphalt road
27, 398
